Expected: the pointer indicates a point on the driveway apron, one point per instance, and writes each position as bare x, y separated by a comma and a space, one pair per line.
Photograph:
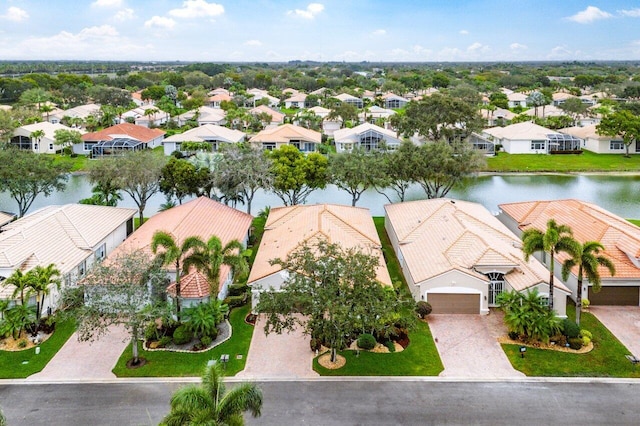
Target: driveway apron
285, 355
623, 322
84, 360
469, 348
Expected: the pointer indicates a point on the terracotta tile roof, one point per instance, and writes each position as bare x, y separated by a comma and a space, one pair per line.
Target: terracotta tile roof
276, 117
141, 133
193, 285
440, 235
589, 222
220, 97
286, 133
289, 227
202, 217
208, 132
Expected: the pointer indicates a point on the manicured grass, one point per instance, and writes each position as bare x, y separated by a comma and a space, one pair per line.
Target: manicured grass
607, 359
585, 162
11, 363
179, 364
634, 221
77, 164
389, 255
420, 358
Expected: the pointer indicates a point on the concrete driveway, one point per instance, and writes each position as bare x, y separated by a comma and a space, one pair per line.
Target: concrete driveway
468, 347
623, 322
285, 355
84, 360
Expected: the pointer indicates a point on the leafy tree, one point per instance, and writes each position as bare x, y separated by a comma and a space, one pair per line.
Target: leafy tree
336, 291
499, 99
440, 166
396, 170
353, 172
555, 239
180, 178
26, 175
16, 319
210, 404
103, 174
574, 107
295, 175
67, 138
36, 96
621, 123
7, 125
41, 279
440, 79
527, 315
343, 111
117, 292
113, 96
588, 259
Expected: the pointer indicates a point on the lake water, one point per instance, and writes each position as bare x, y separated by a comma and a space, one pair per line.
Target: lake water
619, 194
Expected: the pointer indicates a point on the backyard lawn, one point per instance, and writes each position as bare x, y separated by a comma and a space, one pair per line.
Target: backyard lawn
21, 364
585, 162
180, 364
607, 359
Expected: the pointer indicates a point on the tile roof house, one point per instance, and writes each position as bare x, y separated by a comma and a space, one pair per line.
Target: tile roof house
46, 144
288, 134
210, 133
297, 100
216, 100
366, 136
277, 118
458, 257
6, 218
391, 100
201, 217
140, 117
104, 142
287, 228
516, 99
530, 138
500, 115
373, 113
259, 94
589, 222
349, 99
71, 237
203, 115
81, 111
600, 144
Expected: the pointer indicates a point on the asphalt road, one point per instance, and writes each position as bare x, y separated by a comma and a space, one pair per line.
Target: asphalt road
371, 402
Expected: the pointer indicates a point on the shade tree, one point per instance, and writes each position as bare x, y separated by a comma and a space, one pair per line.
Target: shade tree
296, 175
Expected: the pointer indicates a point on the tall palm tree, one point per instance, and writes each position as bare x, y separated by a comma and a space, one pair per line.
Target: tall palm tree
588, 258
211, 256
210, 404
556, 239
22, 284
37, 136
41, 280
175, 254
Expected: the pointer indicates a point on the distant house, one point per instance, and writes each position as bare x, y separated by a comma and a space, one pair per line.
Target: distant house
600, 144
216, 100
141, 117
375, 113
116, 139
458, 257
393, 101
366, 136
72, 237
287, 228
320, 111
201, 217
22, 137
589, 222
288, 134
203, 115
349, 99
81, 112
296, 101
277, 117
516, 99
209, 133
496, 117
560, 97
259, 94
530, 138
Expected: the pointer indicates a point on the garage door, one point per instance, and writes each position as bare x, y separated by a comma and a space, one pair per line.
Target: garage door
612, 295
447, 303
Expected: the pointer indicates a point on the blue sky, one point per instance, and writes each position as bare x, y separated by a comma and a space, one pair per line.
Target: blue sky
324, 30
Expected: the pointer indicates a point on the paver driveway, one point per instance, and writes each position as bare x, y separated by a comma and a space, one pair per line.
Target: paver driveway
285, 355
623, 322
468, 347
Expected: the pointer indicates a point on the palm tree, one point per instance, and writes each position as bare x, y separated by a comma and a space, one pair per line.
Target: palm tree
41, 279
37, 135
22, 284
212, 255
210, 404
556, 239
174, 254
587, 258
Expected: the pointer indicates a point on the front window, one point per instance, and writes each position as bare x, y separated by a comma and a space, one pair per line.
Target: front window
88, 146
50, 147
269, 146
82, 268
616, 145
538, 145
101, 252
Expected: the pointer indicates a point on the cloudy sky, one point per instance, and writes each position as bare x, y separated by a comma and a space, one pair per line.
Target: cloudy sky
329, 30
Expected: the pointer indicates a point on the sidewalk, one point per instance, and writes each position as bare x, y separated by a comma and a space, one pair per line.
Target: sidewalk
85, 360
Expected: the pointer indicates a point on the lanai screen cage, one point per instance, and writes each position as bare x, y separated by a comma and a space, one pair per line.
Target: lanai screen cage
565, 144
116, 146
482, 144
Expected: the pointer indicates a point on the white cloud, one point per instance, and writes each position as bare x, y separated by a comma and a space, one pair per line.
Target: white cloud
632, 13
101, 31
560, 52
476, 48
464, 32
310, 12
15, 14
518, 46
107, 3
160, 22
590, 14
197, 9
379, 32
253, 43
449, 54
124, 15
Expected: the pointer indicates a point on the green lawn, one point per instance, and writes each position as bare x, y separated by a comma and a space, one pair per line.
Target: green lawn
77, 164
585, 162
390, 257
13, 366
179, 364
421, 358
607, 359
634, 221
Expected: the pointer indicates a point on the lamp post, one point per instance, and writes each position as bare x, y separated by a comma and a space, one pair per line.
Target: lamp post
224, 358
523, 349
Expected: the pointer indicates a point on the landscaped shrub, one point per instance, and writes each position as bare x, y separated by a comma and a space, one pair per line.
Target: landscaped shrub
586, 333
182, 335
513, 335
570, 328
164, 341
315, 344
575, 343
237, 289
151, 332
206, 341
22, 344
585, 340
390, 345
423, 309
366, 341
236, 301
213, 334
585, 303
